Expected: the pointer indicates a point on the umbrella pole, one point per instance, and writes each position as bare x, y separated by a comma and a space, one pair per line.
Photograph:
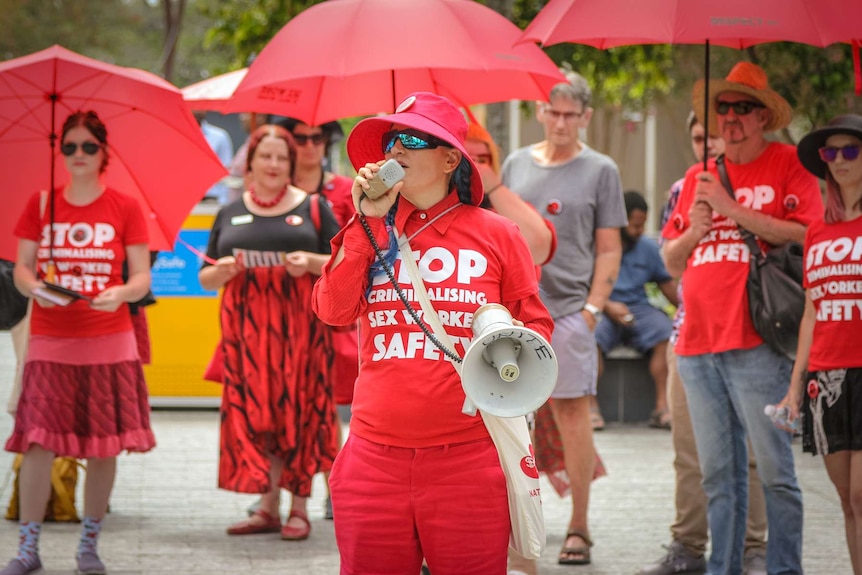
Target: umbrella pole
394, 100
53, 141
706, 105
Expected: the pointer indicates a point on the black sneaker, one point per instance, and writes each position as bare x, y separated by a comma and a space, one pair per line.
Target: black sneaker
677, 561
327, 513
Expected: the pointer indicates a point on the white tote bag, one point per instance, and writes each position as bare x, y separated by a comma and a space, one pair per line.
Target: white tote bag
511, 436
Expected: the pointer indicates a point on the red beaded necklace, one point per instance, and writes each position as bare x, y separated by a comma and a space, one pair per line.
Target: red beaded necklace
264, 203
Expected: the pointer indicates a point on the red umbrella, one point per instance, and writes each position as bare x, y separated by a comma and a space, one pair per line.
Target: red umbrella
732, 23
354, 57
213, 93
157, 151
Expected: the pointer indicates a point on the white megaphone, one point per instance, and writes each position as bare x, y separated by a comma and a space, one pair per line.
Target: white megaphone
509, 370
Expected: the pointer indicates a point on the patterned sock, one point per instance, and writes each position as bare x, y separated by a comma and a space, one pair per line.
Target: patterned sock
90, 529
28, 545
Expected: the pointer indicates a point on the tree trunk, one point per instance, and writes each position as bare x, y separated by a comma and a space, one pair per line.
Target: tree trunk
173, 25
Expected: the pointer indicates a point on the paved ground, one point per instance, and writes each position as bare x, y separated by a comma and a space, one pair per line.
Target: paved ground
168, 517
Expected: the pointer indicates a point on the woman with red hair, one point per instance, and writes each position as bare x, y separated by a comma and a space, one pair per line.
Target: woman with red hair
83, 389
278, 425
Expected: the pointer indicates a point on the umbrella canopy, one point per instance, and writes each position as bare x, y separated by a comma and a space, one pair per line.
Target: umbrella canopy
731, 23
213, 93
157, 151
356, 57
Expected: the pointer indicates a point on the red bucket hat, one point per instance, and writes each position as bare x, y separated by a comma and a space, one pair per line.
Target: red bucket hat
423, 111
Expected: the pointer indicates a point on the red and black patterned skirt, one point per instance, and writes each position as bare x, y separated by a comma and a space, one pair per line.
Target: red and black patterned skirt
277, 399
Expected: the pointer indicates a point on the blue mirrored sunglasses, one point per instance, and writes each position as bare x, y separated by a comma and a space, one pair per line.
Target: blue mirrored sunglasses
411, 140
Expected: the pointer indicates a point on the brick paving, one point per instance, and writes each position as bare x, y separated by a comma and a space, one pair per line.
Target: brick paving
167, 517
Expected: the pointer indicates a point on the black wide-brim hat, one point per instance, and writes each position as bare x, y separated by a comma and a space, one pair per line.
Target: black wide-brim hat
809, 146
332, 130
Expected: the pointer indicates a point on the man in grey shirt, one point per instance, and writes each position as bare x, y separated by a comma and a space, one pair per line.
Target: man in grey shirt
580, 192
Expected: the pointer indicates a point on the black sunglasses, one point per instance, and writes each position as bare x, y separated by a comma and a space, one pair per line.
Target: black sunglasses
89, 148
739, 108
302, 139
411, 139
830, 153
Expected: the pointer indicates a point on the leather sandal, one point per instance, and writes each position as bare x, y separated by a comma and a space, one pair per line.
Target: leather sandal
249, 526
582, 550
289, 533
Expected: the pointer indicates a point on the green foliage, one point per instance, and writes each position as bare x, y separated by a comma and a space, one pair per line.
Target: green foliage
115, 31
125, 32
247, 25
817, 82
628, 77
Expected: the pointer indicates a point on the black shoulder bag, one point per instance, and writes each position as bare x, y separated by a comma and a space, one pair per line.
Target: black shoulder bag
13, 305
776, 298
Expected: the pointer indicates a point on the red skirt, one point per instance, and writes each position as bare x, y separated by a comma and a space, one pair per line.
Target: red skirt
277, 399
83, 397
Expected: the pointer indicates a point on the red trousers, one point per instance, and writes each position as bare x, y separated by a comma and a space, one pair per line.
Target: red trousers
393, 506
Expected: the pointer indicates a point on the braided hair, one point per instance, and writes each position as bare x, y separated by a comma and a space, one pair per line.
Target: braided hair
461, 181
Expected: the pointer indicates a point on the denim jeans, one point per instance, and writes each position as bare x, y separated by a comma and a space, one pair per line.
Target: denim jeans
726, 394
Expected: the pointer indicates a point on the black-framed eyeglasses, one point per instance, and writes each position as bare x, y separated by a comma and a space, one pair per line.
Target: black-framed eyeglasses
742, 108
555, 115
830, 153
411, 139
316, 139
89, 148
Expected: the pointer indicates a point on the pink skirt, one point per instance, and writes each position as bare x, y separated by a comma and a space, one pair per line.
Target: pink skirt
83, 397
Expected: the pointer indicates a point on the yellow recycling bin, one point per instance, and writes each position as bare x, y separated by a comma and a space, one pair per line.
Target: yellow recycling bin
184, 323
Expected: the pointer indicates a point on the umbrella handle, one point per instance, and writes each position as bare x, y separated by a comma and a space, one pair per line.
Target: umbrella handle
705, 104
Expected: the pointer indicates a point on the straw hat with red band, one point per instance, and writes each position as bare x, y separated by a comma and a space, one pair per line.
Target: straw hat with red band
422, 111
745, 78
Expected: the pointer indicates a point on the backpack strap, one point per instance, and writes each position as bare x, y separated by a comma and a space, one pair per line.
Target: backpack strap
314, 209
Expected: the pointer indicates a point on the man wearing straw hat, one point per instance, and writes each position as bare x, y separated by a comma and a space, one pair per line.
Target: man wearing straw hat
728, 372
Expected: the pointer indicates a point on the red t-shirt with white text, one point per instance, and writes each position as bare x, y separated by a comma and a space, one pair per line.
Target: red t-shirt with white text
833, 278
717, 316
89, 248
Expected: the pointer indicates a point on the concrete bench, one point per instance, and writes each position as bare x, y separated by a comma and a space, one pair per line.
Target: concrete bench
626, 392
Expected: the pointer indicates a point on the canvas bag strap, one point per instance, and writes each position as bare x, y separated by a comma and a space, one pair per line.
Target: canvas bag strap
429, 314
749, 238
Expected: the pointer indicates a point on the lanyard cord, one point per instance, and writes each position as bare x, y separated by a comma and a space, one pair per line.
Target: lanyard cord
401, 295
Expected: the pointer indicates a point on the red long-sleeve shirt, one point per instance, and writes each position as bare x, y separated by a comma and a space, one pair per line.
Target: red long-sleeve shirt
408, 394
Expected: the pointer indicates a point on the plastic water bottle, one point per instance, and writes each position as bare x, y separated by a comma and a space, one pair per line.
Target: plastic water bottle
780, 416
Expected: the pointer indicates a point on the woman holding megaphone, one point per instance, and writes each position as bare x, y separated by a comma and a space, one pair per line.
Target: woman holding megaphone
418, 476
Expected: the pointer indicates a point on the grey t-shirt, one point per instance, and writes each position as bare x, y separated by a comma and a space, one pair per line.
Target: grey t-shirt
578, 197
